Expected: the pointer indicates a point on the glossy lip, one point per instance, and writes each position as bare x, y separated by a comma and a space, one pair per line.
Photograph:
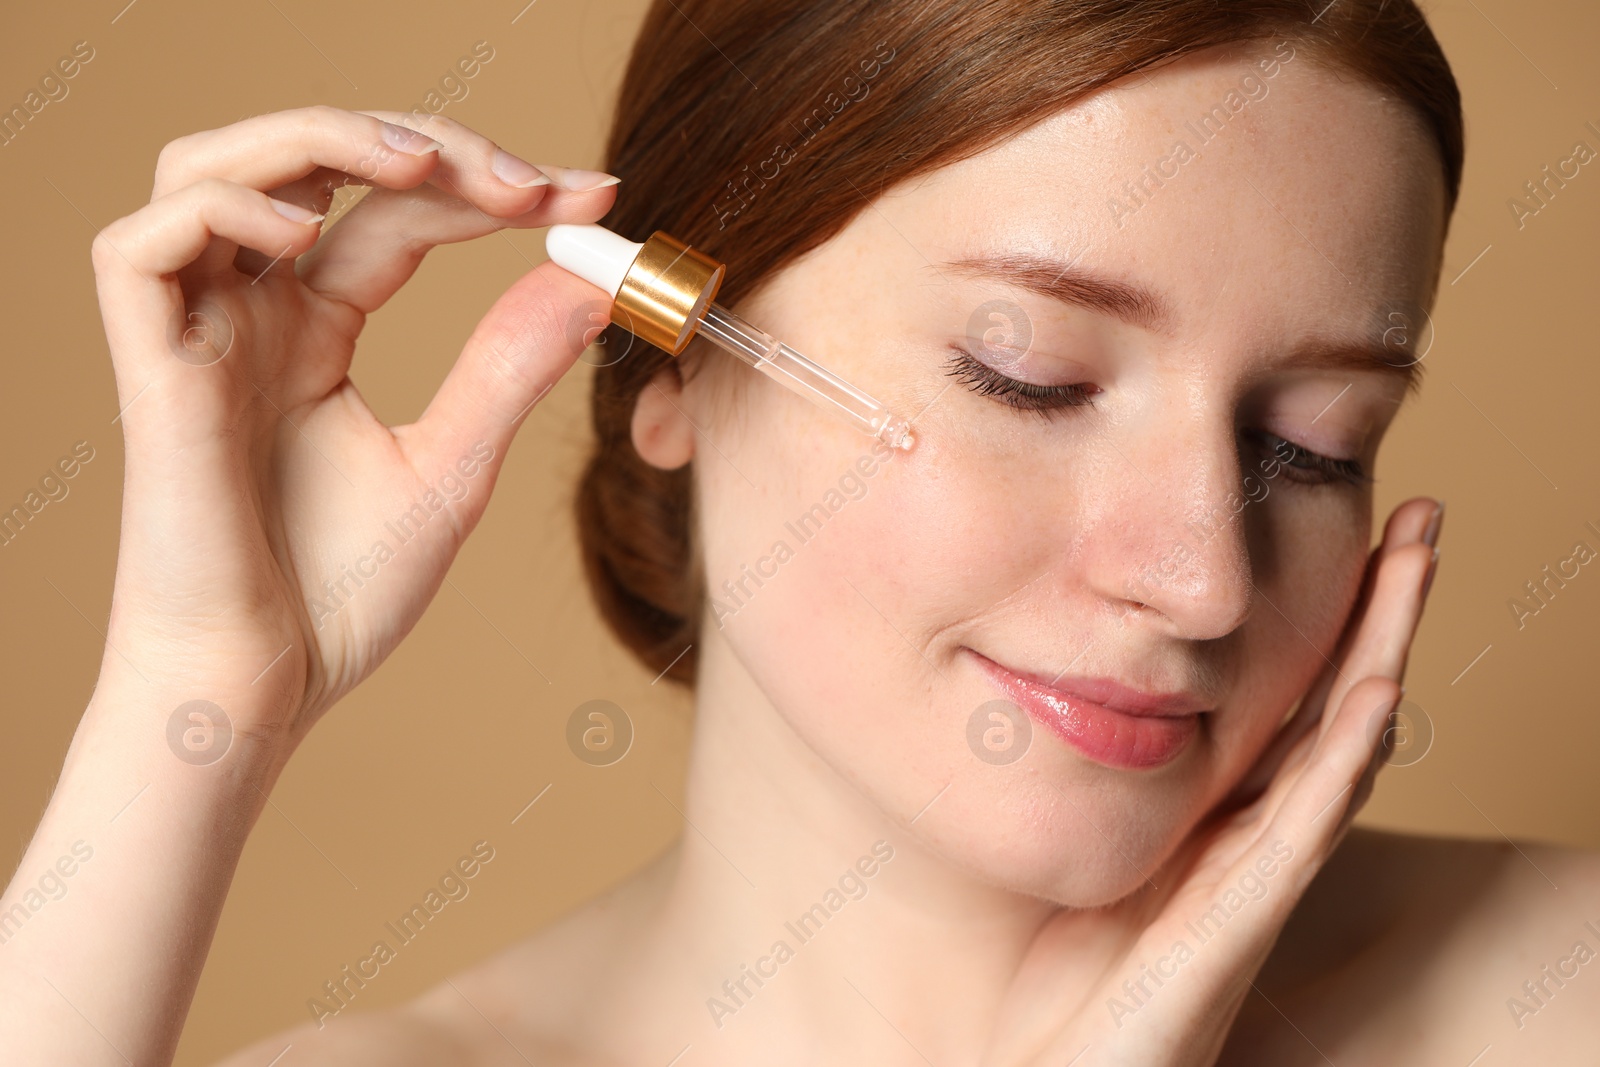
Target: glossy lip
1103, 719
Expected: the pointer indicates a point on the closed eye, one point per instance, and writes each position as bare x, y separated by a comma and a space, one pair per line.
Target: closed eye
1312, 468
1046, 400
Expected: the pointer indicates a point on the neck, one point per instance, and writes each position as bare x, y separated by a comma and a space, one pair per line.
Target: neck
796, 915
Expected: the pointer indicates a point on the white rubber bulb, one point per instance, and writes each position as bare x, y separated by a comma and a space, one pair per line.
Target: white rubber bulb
593, 253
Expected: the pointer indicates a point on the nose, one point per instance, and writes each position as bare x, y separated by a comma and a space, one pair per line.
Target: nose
1176, 538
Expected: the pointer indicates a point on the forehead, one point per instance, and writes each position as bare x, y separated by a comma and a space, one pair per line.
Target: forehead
1245, 178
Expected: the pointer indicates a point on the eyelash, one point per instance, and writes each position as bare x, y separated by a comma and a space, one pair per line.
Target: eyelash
1321, 469
1044, 400
1048, 401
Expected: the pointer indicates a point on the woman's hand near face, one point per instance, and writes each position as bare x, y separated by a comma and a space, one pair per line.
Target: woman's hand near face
1193, 948
259, 489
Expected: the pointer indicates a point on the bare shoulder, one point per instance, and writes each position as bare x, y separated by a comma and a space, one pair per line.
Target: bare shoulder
1410, 949
513, 1008
397, 1037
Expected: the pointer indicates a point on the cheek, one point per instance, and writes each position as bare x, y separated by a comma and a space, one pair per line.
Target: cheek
787, 521
886, 550
833, 578
1309, 553
946, 536
1321, 554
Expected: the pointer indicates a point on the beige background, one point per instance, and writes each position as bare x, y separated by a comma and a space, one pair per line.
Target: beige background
464, 725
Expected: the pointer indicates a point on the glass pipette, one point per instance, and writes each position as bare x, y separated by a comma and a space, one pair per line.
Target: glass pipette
662, 292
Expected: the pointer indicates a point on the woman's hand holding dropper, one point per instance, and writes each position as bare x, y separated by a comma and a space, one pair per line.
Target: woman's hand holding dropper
257, 481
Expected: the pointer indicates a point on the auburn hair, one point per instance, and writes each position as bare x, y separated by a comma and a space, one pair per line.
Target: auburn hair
757, 131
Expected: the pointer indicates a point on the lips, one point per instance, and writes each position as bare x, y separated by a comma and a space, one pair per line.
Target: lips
1103, 719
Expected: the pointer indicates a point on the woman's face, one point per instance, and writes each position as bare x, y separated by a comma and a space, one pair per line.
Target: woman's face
1208, 281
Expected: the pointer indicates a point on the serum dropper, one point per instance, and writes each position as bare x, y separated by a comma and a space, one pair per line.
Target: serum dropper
663, 292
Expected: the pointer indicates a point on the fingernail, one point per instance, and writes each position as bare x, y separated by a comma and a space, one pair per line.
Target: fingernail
1427, 581
408, 141
1430, 535
517, 173
579, 181
294, 212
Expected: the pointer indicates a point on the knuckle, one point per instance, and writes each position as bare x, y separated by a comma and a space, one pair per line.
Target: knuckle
433, 125
514, 350
303, 122
103, 250
210, 190
315, 116
171, 160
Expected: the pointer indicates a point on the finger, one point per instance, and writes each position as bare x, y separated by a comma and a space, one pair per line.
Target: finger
314, 192
470, 167
1301, 812
1390, 622
375, 249
280, 150
512, 360
1414, 520
1408, 524
1318, 797
274, 150
1369, 779
136, 257
1417, 519
477, 188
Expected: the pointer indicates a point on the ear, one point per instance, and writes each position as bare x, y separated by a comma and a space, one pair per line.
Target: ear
662, 433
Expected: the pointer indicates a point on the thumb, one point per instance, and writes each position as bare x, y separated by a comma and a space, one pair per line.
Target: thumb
532, 335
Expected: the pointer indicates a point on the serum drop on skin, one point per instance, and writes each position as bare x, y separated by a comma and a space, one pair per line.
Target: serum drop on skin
662, 292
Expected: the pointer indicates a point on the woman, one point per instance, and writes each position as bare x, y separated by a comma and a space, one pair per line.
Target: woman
1022, 747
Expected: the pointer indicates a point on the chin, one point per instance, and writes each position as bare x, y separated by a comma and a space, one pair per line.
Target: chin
1071, 844
1052, 826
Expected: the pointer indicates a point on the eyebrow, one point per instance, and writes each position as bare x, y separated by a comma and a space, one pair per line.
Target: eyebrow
1357, 356
1070, 284
1141, 307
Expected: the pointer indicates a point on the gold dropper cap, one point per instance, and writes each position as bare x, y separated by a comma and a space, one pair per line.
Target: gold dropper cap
666, 291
